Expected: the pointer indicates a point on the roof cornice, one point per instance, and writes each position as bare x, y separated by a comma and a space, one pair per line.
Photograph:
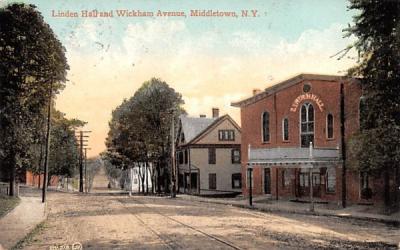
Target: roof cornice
285, 84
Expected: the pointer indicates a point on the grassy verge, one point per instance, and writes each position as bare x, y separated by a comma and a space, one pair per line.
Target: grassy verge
7, 203
30, 236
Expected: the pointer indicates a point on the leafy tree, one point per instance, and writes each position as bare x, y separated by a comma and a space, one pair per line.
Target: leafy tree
140, 130
377, 146
32, 59
63, 150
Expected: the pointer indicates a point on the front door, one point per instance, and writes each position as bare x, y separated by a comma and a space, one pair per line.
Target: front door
267, 181
304, 187
304, 184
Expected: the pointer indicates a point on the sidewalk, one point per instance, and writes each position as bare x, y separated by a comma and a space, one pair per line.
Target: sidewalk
268, 205
20, 221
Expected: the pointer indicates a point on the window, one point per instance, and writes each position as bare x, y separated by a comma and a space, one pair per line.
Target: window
329, 126
212, 181
237, 180
180, 157
182, 137
285, 178
235, 156
330, 180
303, 179
364, 180
211, 156
307, 124
265, 127
285, 129
186, 157
226, 135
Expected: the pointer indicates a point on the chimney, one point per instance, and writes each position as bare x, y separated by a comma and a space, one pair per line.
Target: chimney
256, 91
202, 116
215, 112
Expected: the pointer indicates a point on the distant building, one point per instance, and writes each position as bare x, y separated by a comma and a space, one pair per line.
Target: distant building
136, 176
208, 154
292, 139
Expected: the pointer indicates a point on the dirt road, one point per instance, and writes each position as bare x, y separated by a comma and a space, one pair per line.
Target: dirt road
103, 221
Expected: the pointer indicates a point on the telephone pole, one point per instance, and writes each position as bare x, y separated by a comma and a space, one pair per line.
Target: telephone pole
173, 163
47, 149
82, 146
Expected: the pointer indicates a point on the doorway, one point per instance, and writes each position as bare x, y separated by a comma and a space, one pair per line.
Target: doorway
267, 181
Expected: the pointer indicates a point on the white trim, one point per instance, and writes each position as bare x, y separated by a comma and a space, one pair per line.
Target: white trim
307, 119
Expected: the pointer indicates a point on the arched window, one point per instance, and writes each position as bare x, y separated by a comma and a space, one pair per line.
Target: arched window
329, 126
307, 124
285, 129
265, 127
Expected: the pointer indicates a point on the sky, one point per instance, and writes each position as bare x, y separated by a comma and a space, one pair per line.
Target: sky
211, 61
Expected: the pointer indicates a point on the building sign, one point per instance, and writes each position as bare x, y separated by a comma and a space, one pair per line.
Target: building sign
307, 96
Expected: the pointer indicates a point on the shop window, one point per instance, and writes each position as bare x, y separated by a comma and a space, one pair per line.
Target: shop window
285, 178
235, 156
329, 126
237, 180
265, 127
212, 181
303, 179
307, 124
330, 180
285, 129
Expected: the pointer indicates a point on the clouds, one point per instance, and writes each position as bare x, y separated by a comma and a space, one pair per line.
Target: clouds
210, 68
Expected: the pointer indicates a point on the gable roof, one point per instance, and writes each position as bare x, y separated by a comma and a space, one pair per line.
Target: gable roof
194, 128
285, 84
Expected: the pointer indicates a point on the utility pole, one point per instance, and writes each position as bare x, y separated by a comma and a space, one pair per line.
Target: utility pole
86, 179
81, 163
343, 145
47, 149
173, 165
82, 156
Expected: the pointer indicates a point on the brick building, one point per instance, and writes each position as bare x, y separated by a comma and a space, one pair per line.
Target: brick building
292, 139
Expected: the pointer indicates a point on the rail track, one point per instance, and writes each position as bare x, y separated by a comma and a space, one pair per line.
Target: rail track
168, 241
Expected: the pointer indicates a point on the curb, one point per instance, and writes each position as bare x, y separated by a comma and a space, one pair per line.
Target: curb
395, 223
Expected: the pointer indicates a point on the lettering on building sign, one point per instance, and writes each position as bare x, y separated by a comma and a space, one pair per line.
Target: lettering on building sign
307, 96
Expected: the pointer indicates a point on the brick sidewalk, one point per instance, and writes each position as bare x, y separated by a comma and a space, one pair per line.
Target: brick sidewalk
20, 221
263, 204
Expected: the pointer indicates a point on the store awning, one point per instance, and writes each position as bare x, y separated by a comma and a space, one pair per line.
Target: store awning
294, 157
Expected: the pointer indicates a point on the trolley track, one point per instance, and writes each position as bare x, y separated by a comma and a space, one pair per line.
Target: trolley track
171, 243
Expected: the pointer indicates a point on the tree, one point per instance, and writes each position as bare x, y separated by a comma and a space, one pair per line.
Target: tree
63, 150
32, 59
376, 147
140, 130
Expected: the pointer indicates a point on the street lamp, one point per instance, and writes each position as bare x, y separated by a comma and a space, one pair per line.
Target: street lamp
250, 178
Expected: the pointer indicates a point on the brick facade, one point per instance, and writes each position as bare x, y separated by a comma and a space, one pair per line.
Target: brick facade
284, 100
